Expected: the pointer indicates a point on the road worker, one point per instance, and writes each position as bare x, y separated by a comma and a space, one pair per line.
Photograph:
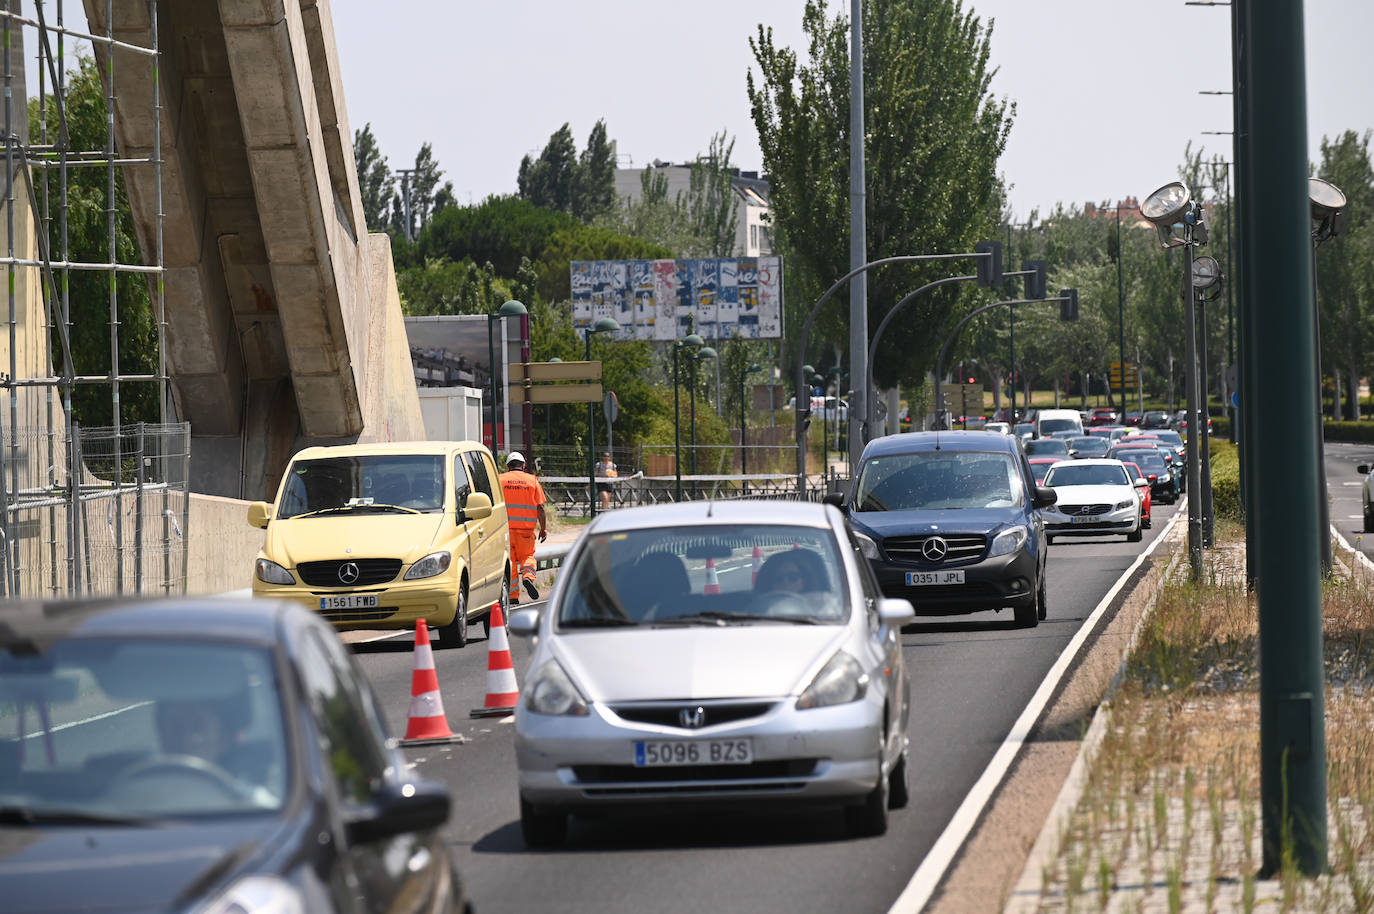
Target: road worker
524, 511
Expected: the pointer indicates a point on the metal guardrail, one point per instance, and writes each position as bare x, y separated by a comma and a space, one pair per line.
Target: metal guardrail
568, 495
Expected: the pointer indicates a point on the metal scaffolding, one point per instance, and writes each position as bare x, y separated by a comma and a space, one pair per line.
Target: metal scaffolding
86, 510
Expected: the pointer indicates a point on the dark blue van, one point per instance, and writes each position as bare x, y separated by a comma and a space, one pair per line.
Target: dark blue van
950, 520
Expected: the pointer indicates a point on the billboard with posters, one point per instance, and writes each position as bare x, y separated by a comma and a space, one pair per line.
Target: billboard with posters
719, 298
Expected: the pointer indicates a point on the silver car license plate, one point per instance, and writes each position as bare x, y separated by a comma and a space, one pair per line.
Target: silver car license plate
918, 578
350, 601
661, 753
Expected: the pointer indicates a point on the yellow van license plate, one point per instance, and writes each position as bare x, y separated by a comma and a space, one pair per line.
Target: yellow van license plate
350, 601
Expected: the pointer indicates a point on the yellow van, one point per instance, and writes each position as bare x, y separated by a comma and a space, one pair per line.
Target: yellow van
378, 536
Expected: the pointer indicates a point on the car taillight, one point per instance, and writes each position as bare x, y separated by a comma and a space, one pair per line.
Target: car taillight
1151, 477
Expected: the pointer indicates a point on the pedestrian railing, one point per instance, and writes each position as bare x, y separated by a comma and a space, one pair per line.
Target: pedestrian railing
568, 495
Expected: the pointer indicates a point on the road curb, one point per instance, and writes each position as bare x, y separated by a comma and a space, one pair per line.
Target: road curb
1025, 897
933, 869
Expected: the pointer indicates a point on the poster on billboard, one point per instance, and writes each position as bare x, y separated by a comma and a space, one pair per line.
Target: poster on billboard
719, 298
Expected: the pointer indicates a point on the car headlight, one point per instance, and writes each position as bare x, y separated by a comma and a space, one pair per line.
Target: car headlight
551, 691
1128, 503
429, 566
256, 895
1009, 541
270, 572
839, 682
867, 545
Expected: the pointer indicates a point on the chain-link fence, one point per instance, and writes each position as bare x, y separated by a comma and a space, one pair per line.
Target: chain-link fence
116, 525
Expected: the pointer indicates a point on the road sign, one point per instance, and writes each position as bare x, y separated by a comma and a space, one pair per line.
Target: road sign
524, 389
1132, 374
610, 407
555, 371
563, 393
963, 399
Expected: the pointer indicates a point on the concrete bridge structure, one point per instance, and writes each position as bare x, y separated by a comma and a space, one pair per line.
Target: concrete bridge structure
284, 326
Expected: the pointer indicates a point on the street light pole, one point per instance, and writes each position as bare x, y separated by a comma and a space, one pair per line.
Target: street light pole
604, 325
691, 340
706, 352
1121, 310
743, 445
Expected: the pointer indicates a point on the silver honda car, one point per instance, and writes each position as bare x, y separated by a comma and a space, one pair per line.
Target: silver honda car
713, 652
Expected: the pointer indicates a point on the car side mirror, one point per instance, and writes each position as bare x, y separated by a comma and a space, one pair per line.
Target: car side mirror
475, 507
400, 808
259, 514
895, 611
1044, 497
1141, 483
523, 622
834, 498
1362, 469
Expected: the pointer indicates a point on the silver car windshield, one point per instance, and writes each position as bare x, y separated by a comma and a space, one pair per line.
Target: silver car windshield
363, 483
126, 729
706, 575
939, 480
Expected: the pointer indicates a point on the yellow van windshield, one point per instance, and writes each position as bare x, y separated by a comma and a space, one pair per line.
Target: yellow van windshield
365, 482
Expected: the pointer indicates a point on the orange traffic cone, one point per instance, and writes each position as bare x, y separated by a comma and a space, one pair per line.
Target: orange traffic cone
502, 690
758, 564
427, 725
712, 582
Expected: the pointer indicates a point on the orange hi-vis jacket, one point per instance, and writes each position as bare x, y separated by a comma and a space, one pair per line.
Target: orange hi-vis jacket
523, 495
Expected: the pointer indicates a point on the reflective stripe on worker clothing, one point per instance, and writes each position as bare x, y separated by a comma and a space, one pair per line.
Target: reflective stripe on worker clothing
523, 496
522, 543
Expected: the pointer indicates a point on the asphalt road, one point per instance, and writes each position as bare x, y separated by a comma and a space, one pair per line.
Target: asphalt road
1344, 485
971, 677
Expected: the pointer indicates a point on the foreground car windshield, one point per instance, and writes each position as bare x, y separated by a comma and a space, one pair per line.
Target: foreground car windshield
938, 480
1086, 476
139, 728
362, 483
708, 575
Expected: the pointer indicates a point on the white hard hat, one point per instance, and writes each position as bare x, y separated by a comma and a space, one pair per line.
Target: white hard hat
514, 457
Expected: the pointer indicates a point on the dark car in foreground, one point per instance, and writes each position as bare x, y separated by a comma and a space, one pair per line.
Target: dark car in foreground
952, 521
204, 755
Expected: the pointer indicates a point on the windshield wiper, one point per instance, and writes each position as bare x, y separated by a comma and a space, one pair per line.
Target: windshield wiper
721, 617
344, 509
596, 622
31, 815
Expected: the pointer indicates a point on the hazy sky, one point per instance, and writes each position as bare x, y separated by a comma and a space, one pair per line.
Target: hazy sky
1099, 114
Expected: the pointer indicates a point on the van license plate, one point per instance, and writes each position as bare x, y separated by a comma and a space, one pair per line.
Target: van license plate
350, 601
916, 578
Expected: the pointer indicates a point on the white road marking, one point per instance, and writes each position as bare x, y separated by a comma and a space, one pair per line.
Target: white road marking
1359, 483
932, 869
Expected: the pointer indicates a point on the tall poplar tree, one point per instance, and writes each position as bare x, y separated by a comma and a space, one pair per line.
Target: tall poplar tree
934, 135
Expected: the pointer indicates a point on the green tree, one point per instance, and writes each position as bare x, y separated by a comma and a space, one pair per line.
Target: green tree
89, 241
934, 134
593, 186
548, 180
712, 205
1345, 265
374, 178
654, 217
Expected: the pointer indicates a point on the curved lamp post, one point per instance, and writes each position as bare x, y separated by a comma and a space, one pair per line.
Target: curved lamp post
953, 335
604, 325
511, 308
692, 341
1169, 208
805, 336
702, 354
1206, 276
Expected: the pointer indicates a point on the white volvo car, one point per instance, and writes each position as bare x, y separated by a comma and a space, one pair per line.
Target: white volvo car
1096, 497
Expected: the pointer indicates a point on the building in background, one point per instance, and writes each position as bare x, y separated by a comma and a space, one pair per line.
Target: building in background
753, 226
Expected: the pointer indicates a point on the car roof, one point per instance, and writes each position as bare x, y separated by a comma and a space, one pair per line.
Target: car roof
911, 442
388, 447
1092, 462
741, 512
34, 623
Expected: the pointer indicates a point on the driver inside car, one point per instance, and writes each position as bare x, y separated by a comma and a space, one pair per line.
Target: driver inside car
212, 730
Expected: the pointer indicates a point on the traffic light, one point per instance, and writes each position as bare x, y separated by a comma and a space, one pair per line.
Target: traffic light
1068, 308
990, 267
1035, 282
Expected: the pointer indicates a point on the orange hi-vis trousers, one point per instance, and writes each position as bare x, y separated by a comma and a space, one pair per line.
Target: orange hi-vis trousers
522, 543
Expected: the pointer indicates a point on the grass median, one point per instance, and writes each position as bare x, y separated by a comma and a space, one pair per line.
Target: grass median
1170, 819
